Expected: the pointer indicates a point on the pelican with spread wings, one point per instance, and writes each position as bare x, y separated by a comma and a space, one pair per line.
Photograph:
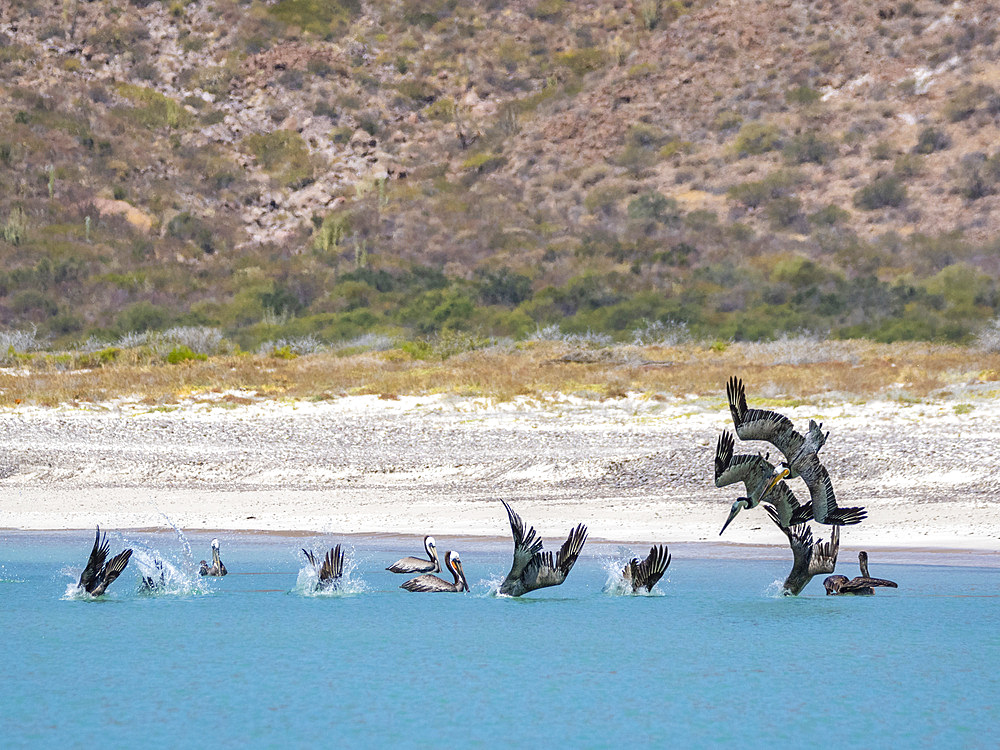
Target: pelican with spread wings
800, 453
646, 574
532, 568
761, 481
101, 572
809, 558
329, 569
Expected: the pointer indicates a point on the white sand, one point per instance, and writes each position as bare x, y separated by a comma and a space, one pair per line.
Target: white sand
633, 470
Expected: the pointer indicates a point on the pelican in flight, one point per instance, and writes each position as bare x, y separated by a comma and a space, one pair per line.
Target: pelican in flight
809, 558
647, 573
432, 583
800, 454
861, 586
761, 481
329, 570
217, 568
533, 569
419, 565
98, 574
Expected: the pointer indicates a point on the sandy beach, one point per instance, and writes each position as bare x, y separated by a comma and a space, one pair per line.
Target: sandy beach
632, 469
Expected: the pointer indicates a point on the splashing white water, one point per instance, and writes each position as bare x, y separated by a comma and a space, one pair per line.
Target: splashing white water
616, 585
307, 581
158, 576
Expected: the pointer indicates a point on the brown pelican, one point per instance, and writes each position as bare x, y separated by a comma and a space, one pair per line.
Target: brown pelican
645, 574
800, 454
761, 481
533, 569
861, 586
418, 565
428, 582
98, 574
809, 558
329, 570
217, 568
153, 582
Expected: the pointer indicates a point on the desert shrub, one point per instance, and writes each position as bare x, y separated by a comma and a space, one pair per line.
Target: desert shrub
809, 147
284, 155
978, 175
604, 198
829, 216
757, 138
654, 206
784, 212
908, 165
581, 61
320, 17
931, 139
200, 339
503, 287
183, 354
802, 95
186, 226
882, 192
485, 161
143, 316
151, 109
15, 229
726, 119
758, 192
966, 99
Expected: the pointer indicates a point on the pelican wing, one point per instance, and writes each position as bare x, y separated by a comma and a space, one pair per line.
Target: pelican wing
541, 573
824, 502
787, 510
89, 577
333, 565
428, 582
527, 544
824, 554
310, 556
760, 424
753, 470
857, 584
648, 572
114, 567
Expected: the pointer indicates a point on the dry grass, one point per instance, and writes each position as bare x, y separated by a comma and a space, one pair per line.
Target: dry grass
796, 369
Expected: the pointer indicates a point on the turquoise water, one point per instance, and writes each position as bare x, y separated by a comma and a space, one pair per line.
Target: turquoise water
714, 656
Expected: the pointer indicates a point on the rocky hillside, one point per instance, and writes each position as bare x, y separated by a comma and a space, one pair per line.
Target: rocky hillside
331, 168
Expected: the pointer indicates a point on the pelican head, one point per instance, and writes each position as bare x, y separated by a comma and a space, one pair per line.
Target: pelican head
454, 563
215, 544
740, 504
431, 546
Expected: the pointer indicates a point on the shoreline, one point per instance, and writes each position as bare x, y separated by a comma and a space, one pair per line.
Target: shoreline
634, 470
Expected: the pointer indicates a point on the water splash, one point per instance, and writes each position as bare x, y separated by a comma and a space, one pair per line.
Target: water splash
776, 590
307, 581
163, 576
188, 554
615, 584
490, 587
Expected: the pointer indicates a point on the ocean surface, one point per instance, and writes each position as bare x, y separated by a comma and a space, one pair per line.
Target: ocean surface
714, 655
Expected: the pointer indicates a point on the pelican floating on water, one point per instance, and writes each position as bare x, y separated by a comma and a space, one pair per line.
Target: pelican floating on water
861, 586
329, 570
533, 569
431, 583
761, 481
800, 454
809, 558
98, 574
647, 573
418, 565
217, 568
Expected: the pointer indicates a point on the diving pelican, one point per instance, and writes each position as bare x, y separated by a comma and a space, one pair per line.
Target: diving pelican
418, 565
432, 583
761, 481
809, 558
533, 569
98, 574
218, 568
861, 586
329, 570
647, 573
800, 454
153, 582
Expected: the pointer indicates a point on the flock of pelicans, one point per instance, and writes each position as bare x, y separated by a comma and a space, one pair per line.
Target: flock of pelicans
533, 568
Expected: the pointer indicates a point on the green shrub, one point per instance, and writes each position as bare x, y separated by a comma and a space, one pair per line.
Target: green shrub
726, 119
320, 17
144, 316
284, 155
829, 216
930, 140
184, 354
809, 147
978, 175
882, 192
966, 100
757, 138
581, 61
654, 206
151, 109
485, 161
802, 95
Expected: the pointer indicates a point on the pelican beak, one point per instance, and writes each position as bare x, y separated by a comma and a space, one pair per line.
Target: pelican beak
461, 574
778, 476
737, 507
